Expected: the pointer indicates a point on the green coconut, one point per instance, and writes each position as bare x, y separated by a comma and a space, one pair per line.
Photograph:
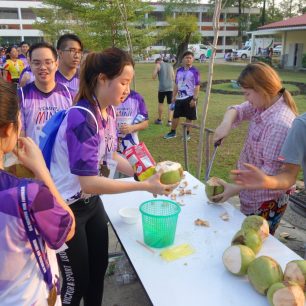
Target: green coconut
286, 294
213, 188
172, 172
258, 224
237, 258
263, 272
249, 238
295, 271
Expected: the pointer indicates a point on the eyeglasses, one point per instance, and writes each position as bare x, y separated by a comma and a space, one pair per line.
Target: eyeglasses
74, 51
48, 63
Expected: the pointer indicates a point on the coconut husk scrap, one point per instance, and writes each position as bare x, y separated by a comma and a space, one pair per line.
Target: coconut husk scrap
201, 222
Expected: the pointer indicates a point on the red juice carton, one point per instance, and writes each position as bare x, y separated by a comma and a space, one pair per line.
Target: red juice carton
141, 160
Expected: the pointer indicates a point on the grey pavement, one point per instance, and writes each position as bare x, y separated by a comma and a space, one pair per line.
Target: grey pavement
292, 226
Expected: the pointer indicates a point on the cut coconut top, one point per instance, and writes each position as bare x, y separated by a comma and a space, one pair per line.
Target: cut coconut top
168, 166
232, 259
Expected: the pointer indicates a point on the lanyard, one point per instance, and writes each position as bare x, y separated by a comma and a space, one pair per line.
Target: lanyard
33, 237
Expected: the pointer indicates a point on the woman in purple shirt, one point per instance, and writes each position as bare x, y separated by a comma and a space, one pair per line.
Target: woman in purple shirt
21, 280
271, 110
83, 156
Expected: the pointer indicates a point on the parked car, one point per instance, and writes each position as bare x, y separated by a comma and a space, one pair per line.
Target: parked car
242, 53
278, 50
200, 51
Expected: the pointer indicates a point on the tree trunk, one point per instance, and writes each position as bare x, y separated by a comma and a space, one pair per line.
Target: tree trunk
216, 26
182, 47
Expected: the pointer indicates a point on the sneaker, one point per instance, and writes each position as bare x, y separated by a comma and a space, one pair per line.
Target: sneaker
169, 123
170, 135
157, 121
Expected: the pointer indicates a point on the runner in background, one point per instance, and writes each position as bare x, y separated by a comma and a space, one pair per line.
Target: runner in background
70, 52
44, 97
164, 70
13, 66
24, 48
131, 117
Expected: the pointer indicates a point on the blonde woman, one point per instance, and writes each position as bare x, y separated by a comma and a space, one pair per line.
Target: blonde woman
270, 109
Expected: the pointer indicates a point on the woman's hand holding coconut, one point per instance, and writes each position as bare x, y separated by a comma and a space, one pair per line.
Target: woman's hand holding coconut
155, 186
230, 190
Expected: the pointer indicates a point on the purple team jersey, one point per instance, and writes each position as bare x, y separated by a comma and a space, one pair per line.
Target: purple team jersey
27, 70
73, 84
21, 281
126, 113
80, 149
186, 81
38, 107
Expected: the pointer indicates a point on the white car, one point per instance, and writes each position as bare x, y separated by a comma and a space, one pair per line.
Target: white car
278, 50
242, 53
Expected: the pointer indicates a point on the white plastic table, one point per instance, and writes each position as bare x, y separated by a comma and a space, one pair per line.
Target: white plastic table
200, 278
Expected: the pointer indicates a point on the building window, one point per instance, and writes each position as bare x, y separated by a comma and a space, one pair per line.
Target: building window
8, 13
28, 14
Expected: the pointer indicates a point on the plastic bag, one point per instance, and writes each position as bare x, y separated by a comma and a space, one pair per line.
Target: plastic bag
177, 252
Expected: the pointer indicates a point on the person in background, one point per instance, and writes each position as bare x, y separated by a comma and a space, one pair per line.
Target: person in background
70, 52
131, 117
165, 73
21, 280
271, 110
24, 48
26, 76
185, 94
85, 150
13, 66
41, 99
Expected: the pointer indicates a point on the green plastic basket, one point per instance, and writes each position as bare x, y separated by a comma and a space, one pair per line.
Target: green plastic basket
159, 218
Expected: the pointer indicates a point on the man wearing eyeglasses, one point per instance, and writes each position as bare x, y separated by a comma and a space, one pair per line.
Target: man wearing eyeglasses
70, 52
41, 99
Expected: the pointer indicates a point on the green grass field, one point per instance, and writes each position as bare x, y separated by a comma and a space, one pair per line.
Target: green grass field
172, 149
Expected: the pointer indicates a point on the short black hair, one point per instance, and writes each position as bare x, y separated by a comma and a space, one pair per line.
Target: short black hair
42, 45
187, 53
66, 37
23, 43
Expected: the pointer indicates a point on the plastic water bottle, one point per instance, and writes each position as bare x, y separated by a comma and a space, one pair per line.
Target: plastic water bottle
171, 106
139, 118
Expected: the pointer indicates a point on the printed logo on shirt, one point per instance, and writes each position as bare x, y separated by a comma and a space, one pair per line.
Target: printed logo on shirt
45, 113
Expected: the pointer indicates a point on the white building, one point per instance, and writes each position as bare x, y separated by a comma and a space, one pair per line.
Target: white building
17, 19
16, 22
228, 23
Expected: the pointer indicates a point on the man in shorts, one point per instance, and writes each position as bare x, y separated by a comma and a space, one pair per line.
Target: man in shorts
164, 70
185, 94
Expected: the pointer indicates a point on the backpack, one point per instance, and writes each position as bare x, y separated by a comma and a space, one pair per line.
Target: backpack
49, 132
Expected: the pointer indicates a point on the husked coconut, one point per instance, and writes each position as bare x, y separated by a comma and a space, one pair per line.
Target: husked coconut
237, 258
286, 294
213, 188
295, 271
258, 224
172, 172
248, 237
263, 272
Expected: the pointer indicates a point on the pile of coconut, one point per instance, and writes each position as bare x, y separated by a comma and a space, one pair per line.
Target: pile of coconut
264, 273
